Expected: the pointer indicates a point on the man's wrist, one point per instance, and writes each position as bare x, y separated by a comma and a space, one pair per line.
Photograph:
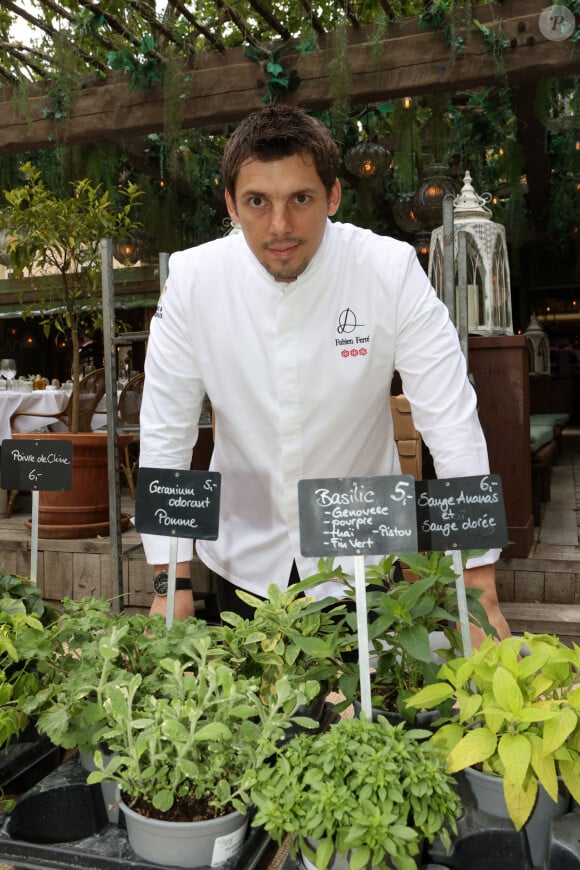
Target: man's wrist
161, 584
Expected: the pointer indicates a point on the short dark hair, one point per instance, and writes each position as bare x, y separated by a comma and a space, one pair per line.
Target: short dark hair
275, 132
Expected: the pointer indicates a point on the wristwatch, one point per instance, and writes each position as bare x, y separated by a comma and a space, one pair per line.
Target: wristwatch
160, 583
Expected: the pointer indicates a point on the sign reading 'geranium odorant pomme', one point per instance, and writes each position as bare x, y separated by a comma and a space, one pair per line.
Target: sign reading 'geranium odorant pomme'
178, 503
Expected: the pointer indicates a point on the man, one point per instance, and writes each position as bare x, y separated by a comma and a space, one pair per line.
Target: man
294, 328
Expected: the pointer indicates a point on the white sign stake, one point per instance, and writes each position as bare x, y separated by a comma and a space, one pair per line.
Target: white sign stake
34, 537
363, 636
171, 571
462, 603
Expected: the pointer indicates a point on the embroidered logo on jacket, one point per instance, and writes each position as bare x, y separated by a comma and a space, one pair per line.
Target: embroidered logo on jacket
348, 329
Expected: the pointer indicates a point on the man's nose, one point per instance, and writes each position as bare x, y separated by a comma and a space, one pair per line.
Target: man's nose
281, 219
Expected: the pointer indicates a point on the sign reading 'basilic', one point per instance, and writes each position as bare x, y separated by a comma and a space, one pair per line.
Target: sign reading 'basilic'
396, 514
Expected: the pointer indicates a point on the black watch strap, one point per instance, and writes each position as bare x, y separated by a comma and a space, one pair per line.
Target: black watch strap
161, 582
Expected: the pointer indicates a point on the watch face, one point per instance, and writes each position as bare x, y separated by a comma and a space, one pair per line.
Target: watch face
160, 583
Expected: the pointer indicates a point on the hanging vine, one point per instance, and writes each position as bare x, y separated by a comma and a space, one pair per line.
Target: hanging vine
340, 83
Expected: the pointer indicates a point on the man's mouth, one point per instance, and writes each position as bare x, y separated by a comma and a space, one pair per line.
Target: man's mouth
283, 250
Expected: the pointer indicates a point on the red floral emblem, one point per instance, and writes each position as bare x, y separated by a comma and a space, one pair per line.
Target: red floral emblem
344, 353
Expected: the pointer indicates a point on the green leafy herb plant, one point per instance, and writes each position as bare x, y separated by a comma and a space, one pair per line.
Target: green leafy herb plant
17, 592
406, 619
370, 791
291, 634
515, 716
192, 748
91, 646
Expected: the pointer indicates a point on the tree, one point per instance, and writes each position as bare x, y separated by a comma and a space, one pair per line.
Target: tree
59, 239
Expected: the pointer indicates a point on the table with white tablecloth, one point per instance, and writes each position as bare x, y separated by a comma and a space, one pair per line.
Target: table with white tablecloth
39, 401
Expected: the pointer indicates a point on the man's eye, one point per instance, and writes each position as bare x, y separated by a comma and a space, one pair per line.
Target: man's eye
256, 201
302, 198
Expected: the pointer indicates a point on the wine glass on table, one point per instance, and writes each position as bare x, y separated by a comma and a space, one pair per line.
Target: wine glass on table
8, 370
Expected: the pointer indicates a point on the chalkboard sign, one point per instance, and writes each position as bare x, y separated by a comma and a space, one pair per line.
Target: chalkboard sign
461, 513
184, 504
357, 516
37, 465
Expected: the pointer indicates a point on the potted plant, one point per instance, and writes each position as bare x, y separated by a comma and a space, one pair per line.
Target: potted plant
515, 728
18, 594
23, 644
56, 241
413, 624
291, 634
186, 756
363, 794
92, 645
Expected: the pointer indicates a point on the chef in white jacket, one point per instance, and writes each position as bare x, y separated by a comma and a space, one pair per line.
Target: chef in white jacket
294, 327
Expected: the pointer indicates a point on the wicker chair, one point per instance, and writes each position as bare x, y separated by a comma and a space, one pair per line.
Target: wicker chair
91, 391
129, 409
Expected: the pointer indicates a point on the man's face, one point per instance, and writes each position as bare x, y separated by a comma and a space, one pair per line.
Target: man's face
282, 206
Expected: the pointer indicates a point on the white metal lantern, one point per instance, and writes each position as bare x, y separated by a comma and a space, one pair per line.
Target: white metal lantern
489, 308
538, 348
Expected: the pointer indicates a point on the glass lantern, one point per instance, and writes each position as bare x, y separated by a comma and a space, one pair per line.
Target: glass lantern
538, 348
435, 185
367, 159
489, 310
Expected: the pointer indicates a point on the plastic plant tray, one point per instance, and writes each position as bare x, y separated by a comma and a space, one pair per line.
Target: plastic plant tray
26, 760
62, 823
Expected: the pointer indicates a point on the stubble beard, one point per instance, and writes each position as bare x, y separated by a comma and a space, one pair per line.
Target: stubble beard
286, 271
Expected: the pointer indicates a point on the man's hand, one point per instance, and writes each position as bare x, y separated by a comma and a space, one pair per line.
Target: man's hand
483, 577
183, 604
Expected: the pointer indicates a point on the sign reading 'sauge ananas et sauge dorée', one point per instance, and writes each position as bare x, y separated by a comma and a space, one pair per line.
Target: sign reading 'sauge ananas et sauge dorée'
379, 515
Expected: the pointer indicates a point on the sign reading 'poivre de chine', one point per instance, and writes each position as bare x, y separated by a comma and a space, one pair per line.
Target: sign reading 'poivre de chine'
37, 465
177, 503
461, 513
357, 516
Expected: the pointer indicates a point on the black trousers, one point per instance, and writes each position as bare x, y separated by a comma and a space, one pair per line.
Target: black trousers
228, 600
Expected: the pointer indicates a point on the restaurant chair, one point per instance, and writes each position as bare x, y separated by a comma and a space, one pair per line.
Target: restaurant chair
91, 391
129, 410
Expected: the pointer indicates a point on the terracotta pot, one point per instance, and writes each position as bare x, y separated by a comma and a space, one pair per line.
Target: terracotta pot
83, 511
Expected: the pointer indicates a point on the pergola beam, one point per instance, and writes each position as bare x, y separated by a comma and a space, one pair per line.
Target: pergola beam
224, 88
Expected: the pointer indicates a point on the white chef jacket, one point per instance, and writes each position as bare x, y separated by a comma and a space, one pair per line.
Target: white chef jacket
299, 377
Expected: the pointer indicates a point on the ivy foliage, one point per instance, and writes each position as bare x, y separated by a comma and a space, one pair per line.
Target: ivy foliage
134, 37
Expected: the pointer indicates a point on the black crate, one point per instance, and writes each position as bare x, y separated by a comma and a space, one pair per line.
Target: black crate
62, 823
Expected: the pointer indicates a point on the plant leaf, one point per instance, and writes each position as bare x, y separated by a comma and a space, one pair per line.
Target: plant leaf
520, 800
570, 772
557, 730
506, 691
476, 746
515, 753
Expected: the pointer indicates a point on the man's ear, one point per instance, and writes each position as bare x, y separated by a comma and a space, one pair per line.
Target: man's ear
231, 206
334, 198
